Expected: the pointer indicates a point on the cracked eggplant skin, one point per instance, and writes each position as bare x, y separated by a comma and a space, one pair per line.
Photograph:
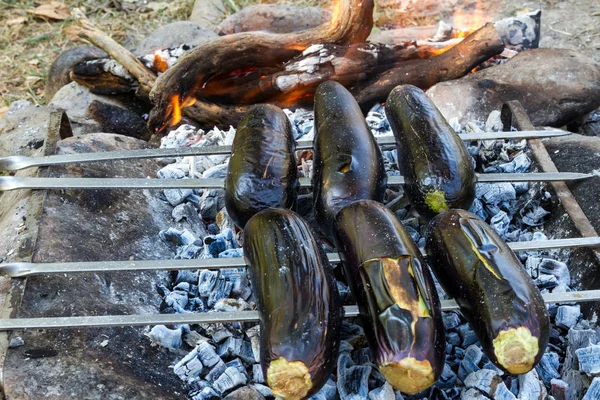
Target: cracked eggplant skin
297, 298
347, 162
494, 292
434, 161
262, 170
395, 292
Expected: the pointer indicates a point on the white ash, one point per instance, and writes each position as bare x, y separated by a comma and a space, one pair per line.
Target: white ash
226, 356
114, 68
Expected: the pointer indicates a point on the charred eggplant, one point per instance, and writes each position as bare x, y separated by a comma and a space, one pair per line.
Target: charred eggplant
494, 292
262, 170
298, 302
395, 293
347, 162
434, 161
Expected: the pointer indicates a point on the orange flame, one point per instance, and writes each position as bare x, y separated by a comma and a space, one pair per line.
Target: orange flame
176, 116
467, 22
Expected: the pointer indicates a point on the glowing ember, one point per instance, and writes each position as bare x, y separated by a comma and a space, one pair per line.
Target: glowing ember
160, 64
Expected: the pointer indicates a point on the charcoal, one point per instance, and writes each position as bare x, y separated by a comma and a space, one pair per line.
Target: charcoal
207, 393
520, 187
353, 383
233, 347
216, 371
221, 335
577, 339
470, 362
472, 394
451, 320
567, 316
241, 288
530, 386
192, 338
212, 229
170, 172
255, 343
413, 233
177, 299
188, 276
546, 282
176, 237
547, 369
230, 305
16, 341
453, 338
257, 374
264, 390
237, 363
502, 393
206, 354
519, 164
344, 362
514, 385
220, 291
459, 353
207, 282
484, 380
196, 304
362, 356
533, 214
532, 265
559, 389
327, 392
209, 204
593, 392
557, 269
490, 365
353, 334
176, 196
495, 193
189, 366
230, 380
447, 378
216, 172
589, 359
189, 252
216, 245
467, 335
231, 253
500, 222
165, 337
385, 392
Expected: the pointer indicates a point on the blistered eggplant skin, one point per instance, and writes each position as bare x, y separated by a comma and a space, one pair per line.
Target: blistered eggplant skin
494, 292
396, 295
434, 161
299, 306
262, 170
347, 162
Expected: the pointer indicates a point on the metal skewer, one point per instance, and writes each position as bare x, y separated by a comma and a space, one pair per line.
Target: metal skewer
23, 269
15, 163
220, 317
13, 183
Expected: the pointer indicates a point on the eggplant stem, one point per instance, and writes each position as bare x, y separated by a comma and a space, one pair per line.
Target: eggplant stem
409, 375
516, 350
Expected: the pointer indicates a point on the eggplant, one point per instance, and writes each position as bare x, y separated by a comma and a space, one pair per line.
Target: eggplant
434, 161
494, 292
347, 162
262, 171
396, 295
299, 306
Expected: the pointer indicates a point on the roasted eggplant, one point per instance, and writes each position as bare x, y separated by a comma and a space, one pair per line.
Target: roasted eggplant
494, 292
347, 162
299, 306
396, 296
434, 161
262, 170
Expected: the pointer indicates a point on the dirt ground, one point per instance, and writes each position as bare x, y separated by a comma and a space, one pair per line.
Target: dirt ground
29, 44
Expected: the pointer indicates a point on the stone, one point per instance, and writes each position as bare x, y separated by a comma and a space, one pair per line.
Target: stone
58, 75
23, 129
245, 393
172, 35
567, 316
565, 82
274, 18
208, 13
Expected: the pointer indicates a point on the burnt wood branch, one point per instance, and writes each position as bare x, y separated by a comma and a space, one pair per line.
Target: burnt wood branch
453, 64
351, 23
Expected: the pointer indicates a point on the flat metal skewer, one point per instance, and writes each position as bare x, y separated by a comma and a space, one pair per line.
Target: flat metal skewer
23, 269
220, 317
13, 183
15, 163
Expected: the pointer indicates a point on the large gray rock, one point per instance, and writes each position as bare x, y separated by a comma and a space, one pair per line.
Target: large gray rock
208, 13
174, 34
58, 75
556, 86
274, 18
23, 128
77, 225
